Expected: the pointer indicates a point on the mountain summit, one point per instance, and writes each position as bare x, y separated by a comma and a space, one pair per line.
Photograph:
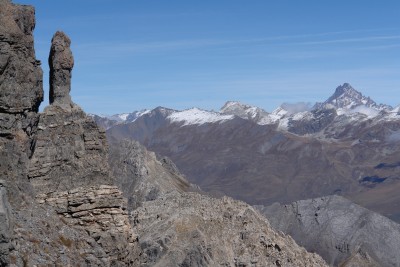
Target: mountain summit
346, 97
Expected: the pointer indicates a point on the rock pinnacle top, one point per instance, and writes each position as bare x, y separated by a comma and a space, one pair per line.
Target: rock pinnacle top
61, 63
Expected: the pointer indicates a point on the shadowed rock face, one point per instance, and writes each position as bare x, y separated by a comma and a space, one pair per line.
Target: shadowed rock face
342, 232
61, 63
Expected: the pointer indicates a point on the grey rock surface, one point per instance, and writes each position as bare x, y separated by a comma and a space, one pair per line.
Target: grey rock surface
4, 226
343, 233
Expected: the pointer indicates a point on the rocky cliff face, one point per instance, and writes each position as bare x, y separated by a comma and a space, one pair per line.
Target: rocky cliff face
21, 93
342, 232
60, 204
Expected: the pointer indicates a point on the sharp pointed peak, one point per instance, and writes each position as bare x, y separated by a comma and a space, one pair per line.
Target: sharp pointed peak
346, 88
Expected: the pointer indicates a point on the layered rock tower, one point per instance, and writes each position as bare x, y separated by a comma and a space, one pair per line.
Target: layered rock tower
69, 149
57, 202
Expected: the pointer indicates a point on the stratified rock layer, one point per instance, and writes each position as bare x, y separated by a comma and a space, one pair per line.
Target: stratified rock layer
69, 151
101, 212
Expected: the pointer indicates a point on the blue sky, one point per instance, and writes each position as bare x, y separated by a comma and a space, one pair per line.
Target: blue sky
137, 54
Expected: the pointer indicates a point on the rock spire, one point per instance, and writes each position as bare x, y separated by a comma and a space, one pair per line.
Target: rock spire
61, 63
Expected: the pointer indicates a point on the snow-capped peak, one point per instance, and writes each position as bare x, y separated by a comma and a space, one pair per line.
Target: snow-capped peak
198, 116
242, 110
347, 97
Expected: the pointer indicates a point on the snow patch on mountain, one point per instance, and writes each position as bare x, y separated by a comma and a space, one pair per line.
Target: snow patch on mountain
198, 116
131, 117
123, 116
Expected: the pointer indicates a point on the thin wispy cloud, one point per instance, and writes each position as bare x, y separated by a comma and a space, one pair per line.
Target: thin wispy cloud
351, 40
118, 47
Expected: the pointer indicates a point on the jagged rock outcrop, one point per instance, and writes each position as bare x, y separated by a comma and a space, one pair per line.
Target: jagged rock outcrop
342, 232
61, 63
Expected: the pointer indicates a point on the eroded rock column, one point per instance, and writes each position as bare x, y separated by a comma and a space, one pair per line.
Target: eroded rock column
61, 63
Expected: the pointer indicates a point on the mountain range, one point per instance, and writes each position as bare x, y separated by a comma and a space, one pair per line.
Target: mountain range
346, 145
